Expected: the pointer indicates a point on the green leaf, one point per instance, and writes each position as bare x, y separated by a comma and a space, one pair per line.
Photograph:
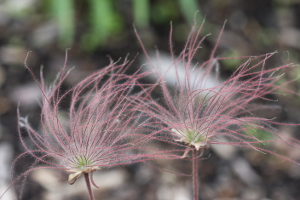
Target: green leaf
63, 12
261, 135
104, 21
189, 8
141, 12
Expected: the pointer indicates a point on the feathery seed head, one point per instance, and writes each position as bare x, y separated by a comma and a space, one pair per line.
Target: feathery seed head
197, 113
101, 131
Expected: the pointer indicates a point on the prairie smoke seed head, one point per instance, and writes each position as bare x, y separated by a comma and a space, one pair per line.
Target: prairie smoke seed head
199, 114
101, 130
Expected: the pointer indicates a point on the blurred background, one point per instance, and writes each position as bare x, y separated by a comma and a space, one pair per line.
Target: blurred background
96, 29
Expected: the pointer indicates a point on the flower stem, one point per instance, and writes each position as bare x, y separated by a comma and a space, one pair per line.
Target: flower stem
195, 174
88, 185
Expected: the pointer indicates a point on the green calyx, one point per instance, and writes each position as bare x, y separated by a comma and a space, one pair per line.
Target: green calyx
82, 162
81, 165
194, 136
191, 137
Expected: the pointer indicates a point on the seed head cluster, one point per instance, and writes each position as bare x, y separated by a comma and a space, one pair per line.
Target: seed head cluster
110, 123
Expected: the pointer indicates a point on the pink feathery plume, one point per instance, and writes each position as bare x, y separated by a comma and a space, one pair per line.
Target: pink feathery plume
197, 114
102, 130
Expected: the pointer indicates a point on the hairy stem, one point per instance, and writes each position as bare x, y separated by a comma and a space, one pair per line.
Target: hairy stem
88, 185
195, 174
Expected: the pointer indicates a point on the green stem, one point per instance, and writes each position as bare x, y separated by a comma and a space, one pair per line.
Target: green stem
195, 175
88, 185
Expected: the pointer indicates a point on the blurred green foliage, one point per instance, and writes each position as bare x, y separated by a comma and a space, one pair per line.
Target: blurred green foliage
141, 13
105, 20
63, 11
235, 62
188, 9
262, 135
